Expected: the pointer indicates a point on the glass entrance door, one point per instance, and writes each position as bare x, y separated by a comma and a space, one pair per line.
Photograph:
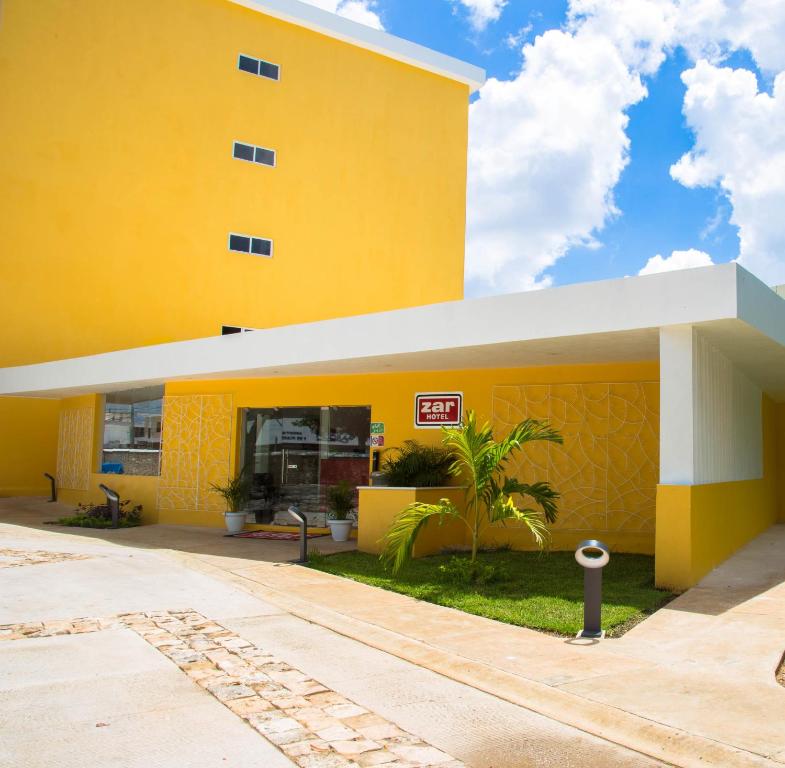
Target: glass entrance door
291, 456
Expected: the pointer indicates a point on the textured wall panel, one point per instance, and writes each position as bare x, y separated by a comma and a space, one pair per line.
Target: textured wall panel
607, 469
728, 426
75, 448
196, 446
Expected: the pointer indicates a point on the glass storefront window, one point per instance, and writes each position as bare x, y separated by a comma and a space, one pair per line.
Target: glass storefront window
291, 456
132, 432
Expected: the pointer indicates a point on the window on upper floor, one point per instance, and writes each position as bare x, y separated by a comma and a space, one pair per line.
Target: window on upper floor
253, 154
259, 67
228, 330
256, 246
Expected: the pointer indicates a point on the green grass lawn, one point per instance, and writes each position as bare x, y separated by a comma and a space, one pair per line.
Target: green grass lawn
541, 591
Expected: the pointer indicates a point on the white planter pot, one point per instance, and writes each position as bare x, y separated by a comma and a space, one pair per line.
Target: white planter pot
340, 529
235, 521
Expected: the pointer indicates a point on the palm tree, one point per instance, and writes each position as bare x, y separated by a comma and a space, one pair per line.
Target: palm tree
480, 460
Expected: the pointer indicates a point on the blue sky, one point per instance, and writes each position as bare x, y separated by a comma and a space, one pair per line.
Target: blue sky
614, 136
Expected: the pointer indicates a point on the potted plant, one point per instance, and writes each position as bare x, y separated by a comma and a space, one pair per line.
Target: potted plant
341, 501
235, 493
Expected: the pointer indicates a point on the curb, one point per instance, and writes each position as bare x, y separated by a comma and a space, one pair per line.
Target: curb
647, 737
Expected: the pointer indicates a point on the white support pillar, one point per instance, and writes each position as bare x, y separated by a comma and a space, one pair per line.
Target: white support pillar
677, 403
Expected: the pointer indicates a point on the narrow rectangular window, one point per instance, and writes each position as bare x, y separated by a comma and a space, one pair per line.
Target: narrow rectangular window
270, 71
247, 64
264, 156
259, 67
240, 243
258, 246
259, 155
243, 151
261, 246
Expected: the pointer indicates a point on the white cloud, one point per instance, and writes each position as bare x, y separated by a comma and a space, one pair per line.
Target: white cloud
708, 29
545, 152
640, 29
711, 29
482, 12
677, 260
356, 10
740, 147
547, 147
517, 39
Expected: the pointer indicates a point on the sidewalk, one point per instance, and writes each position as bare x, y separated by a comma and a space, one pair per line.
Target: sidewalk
693, 685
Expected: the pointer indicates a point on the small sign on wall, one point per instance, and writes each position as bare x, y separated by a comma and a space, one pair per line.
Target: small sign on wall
377, 427
377, 441
438, 409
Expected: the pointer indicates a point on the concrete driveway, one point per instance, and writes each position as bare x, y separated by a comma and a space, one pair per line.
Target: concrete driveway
114, 652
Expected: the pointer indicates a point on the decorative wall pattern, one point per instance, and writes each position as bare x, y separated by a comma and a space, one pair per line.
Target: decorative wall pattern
607, 470
195, 452
75, 448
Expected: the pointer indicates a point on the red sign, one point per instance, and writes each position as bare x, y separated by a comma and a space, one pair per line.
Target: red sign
438, 409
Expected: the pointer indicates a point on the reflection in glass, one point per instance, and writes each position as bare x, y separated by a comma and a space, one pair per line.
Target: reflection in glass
132, 432
291, 455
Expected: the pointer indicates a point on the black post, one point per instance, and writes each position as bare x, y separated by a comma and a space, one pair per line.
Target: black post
294, 511
592, 602
54, 487
593, 555
113, 501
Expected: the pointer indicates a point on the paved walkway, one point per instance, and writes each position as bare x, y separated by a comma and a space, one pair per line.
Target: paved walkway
115, 651
693, 685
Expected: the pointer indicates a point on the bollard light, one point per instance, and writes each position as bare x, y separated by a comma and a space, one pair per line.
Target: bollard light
113, 502
593, 555
53, 486
300, 517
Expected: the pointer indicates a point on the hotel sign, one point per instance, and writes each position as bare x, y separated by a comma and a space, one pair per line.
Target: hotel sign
438, 409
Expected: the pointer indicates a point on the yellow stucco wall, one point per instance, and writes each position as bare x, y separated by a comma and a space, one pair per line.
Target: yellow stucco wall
629, 414
196, 452
116, 128
136, 488
699, 526
607, 469
378, 507
79, 451
28, 445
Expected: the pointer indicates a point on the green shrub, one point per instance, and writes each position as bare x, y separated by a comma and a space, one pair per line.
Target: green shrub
415, 465
235, 493
100, 516
462, 570
340, 499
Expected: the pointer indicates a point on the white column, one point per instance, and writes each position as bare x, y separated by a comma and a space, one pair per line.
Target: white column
677, 403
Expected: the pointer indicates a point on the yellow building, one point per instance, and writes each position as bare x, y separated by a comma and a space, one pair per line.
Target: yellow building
174, 169
668, 388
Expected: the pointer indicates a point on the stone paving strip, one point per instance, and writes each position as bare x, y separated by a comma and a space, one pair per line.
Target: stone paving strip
312, 725
15, 558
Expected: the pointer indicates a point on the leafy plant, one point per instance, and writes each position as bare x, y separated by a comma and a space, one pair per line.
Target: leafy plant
235, 493
415, 465
480, 461
100, 516
340, 497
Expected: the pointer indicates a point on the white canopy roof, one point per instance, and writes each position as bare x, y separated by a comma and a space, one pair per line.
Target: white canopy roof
609, 321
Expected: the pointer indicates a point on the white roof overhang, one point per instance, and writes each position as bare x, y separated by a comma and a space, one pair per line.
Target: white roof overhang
340, 28
609, 321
